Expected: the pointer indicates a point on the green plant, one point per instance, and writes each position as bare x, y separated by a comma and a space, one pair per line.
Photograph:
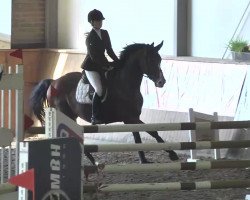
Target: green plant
238, 45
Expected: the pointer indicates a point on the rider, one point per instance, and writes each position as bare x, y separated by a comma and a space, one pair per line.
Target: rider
95, 62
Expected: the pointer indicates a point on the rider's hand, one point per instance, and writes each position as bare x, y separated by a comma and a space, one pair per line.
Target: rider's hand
108, 68
115, 64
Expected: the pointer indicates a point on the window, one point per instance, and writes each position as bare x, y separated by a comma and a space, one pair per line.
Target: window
137, 21
5, 24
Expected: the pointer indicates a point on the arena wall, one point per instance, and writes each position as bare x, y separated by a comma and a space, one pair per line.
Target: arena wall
206, 85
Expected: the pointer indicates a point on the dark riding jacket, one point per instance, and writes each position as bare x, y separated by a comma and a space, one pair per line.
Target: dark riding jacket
95, 59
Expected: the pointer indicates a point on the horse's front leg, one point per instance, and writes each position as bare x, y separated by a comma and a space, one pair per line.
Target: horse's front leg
172, 155
142, 157
137, 139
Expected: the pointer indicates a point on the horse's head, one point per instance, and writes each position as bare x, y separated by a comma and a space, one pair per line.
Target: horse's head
146, 59
150, 64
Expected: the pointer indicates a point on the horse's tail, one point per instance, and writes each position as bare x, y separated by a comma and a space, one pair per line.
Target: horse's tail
38, 99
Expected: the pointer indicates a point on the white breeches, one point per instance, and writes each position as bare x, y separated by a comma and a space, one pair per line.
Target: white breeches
95, 80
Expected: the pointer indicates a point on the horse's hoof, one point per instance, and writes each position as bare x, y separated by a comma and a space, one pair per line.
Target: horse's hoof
145, 162
173, 156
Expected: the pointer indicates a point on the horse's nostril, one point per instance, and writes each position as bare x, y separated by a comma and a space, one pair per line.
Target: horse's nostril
160, 83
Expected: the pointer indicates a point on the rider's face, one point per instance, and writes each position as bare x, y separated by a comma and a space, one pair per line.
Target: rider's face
97, 24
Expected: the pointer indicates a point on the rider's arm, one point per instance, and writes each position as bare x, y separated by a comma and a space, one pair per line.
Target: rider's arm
108, 46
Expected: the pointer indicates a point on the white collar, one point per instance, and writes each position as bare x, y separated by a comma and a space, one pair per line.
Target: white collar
98, 31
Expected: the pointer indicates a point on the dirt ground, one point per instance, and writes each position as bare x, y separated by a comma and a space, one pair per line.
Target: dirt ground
168, 176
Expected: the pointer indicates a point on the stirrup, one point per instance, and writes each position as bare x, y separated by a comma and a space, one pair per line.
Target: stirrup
95, 121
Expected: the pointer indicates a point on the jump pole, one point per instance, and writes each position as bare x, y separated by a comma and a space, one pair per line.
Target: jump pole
58, 125
7, 188
167, 146
163, 167
53, 115
174, 186
165, 126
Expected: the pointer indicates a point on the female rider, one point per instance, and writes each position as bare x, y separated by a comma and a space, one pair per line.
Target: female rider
95, 62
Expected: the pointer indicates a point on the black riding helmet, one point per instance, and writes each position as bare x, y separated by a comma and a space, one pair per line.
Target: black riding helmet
95, 15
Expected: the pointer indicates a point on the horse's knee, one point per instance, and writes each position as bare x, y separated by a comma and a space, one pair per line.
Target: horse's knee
154, 134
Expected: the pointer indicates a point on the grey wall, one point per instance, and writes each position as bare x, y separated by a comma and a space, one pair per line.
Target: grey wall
70, 24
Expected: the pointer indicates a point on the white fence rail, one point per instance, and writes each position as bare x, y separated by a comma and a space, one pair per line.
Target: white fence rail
11, 119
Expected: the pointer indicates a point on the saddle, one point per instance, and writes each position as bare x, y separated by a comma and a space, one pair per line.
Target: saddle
85, 91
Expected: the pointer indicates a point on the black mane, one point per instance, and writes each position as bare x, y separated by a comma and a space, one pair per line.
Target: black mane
130, 49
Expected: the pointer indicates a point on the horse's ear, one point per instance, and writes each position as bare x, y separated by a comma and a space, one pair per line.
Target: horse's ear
152, 45
158, 47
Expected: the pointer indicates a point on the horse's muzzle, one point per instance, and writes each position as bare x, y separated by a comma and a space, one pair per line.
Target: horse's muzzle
160, 82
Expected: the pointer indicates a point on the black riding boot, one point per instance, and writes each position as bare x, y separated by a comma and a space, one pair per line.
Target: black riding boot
96, 106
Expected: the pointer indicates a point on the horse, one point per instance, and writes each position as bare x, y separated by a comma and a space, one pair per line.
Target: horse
124, 100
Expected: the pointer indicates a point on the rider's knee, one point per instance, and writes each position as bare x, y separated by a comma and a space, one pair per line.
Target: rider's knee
99, 91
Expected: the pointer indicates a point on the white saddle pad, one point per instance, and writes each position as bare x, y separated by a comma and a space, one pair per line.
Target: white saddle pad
82, 95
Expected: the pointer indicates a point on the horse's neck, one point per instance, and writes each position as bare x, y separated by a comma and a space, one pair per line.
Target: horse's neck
130, 76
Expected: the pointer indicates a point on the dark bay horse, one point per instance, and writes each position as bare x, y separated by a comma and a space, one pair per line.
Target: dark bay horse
124, 100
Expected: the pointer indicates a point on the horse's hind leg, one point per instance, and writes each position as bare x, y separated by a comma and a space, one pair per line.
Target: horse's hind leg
90, 157
172, 155
64, 107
